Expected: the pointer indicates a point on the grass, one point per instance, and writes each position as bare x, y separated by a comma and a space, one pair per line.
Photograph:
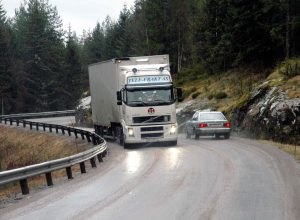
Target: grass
20, 148
223, 91
230, 90
293, 150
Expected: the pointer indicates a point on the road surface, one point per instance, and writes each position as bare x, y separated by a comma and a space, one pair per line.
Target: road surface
199, 179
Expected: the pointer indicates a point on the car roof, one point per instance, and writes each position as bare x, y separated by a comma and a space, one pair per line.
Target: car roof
208, 112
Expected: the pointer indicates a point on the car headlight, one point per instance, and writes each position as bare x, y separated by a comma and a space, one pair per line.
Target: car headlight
130, 132
173, 129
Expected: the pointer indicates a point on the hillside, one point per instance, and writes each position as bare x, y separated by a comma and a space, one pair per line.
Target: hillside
264, 103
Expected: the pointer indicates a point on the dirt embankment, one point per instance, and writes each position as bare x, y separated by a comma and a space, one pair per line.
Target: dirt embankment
19, 148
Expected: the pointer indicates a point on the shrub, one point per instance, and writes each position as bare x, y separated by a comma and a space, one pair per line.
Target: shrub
210, 96
189, 91
221, 95
195, 95
290, 68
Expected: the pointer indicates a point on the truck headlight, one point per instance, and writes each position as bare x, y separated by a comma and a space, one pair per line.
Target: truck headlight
173, 129
130, 132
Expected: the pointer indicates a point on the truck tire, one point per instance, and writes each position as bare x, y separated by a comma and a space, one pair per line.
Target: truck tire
126, 145
172, 143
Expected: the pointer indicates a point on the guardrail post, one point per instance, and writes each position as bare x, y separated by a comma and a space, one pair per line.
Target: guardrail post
75, 132
37, 126
82, 167
82, 135
63, 130
49, 179
5, 120
10, 121
94, 139
24, 186
100, 159
24, 124
88, 137
30, 123
44, 127
93, 162
18, 122
69, 173
104, 153
69, 131
56, 128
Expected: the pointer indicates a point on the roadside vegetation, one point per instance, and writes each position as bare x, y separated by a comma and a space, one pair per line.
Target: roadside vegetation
293, 150
19, 148
230, 90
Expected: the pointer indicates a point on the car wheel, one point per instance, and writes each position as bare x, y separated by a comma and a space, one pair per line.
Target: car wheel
226, 136
188, 135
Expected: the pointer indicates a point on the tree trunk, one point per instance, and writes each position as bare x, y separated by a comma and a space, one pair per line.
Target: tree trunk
287, 33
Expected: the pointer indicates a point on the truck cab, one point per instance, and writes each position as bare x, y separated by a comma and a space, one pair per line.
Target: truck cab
133, 100
147, 101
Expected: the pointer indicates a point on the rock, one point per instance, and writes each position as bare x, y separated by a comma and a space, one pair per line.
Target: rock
270, 113
83, 112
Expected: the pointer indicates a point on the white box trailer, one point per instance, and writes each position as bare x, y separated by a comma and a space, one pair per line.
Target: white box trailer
133, 99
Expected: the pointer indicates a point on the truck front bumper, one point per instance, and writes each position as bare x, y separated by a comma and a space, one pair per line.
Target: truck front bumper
151, 133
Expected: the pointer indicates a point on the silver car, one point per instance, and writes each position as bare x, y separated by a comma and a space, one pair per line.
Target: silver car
208, 124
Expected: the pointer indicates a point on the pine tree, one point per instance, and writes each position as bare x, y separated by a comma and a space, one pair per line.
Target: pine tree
40, 43
73, 80
5, 61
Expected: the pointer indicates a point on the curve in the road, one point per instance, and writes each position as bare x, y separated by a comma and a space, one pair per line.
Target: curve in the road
198, 179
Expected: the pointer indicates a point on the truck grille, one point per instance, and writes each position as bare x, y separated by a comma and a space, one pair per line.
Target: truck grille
152, 129
152, 119
153, 135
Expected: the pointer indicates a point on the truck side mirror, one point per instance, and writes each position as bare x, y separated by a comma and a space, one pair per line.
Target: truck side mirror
179, 94
119, 98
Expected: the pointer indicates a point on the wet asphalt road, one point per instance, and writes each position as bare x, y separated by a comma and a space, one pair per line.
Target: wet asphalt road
199, 179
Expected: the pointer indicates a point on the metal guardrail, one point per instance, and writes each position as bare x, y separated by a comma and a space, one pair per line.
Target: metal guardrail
21, 174
40, 114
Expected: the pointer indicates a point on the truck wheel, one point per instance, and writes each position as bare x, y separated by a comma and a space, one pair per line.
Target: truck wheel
126, 145
227, 136
121, 141
172, 143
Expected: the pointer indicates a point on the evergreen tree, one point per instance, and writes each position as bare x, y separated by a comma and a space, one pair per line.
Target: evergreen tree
73, 78
123, 34
5, 61
40, 43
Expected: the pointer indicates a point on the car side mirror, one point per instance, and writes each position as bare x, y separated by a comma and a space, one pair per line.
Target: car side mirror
179, 94
119, 98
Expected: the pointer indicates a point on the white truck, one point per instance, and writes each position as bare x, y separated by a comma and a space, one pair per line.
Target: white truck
133, 99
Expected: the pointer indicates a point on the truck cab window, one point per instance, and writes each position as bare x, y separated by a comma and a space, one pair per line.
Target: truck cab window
150, 96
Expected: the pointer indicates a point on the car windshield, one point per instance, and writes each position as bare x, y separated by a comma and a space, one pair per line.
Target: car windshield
211, 116
149, 96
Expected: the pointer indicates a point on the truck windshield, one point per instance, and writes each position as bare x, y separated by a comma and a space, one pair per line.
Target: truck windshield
149, 96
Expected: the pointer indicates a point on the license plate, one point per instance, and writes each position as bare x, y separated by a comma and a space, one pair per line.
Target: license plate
214, 125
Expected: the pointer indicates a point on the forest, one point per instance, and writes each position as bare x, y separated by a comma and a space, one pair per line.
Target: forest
44, 67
